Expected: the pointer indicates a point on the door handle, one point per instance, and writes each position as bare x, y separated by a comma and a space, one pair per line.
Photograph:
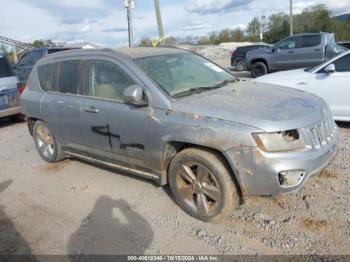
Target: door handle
291, 52
317, 50
91, 109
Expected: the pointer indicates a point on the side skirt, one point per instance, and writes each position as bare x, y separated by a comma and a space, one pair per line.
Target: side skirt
115, 166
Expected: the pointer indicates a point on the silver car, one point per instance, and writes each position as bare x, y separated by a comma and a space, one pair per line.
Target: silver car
178, 119
9, 92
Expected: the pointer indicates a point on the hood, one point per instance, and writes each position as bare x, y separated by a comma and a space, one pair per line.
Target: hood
259, 51
299, 74
267, 107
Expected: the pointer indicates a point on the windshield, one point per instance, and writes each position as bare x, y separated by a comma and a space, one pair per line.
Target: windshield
184, 74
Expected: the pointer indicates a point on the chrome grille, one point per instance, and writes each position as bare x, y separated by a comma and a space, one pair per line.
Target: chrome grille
322, 133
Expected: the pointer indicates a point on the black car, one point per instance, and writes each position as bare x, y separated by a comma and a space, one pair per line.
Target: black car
345, 44
238, 58
28, 60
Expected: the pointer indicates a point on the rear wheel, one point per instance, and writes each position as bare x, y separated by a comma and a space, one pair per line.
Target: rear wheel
241, 65
259, 69
202, 185
46, 143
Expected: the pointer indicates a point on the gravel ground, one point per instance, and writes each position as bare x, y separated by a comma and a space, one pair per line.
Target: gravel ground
74, 207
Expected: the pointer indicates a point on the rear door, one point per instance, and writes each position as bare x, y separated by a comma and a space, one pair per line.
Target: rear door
287, 54
9, 95
61, 104
312, 50
334, 87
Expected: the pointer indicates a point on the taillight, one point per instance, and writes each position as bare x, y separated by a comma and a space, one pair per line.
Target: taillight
21, 87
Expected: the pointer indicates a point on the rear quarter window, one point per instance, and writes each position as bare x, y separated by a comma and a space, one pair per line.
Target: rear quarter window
69, 77
310, 40
46, 77
5, 68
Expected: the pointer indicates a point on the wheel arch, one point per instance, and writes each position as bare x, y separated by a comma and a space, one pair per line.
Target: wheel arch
31, 122
240, 59
256, 60
172, 148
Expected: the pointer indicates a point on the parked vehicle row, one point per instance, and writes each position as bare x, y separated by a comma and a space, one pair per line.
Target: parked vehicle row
297, 51
177, 118
329, 80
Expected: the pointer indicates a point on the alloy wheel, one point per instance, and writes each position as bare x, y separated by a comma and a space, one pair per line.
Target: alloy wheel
198, 188
259, 70
45, 141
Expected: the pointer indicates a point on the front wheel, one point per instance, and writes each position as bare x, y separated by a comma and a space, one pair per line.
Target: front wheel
46, 143
202, 185
259, 69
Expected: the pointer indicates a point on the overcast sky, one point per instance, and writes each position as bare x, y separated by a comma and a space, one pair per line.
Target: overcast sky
104, 21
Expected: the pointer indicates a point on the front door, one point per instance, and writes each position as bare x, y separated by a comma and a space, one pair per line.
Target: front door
113, 129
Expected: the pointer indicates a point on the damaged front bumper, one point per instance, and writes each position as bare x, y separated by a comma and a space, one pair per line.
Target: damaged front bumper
262, 173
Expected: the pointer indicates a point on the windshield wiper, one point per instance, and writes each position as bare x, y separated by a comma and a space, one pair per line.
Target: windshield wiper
195, 90
225, 82
200, 89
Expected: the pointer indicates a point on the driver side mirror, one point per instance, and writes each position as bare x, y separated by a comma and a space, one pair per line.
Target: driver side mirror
329, 69
134, 95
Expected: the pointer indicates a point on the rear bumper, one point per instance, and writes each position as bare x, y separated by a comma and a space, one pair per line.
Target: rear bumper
259, 172
10, 111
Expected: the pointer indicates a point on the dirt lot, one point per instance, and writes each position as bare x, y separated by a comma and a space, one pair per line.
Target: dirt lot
73, 207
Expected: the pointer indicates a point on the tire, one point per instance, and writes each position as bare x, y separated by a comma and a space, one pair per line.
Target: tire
46, 143
241, 65
259, 69
202, 185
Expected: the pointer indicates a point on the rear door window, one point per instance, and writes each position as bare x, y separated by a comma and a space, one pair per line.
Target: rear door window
46, 77
310, 41
5, 68
69, 76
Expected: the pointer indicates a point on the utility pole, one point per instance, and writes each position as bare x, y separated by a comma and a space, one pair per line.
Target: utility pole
129, 5
159, 19
291, 17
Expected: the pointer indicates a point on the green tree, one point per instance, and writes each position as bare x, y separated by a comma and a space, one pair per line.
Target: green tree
253, 30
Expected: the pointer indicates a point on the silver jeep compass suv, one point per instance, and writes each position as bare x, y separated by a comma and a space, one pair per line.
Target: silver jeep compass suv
179, 119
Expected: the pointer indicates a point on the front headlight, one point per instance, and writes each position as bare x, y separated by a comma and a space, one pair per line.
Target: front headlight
279, 141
